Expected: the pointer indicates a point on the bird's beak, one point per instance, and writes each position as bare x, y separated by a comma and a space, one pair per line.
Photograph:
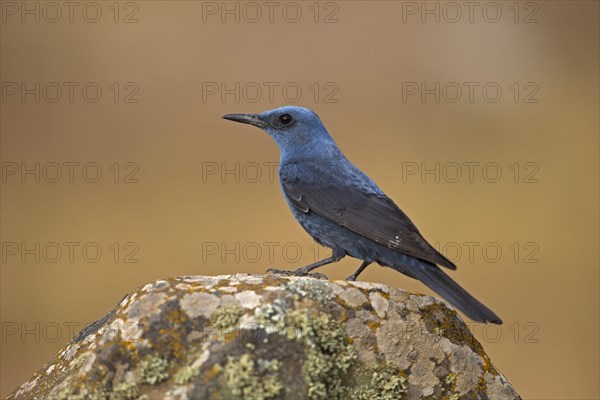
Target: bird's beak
251, 119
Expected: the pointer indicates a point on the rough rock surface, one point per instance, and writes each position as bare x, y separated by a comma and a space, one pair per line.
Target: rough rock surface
271, 337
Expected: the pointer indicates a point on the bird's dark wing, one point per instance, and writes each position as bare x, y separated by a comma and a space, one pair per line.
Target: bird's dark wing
374, 216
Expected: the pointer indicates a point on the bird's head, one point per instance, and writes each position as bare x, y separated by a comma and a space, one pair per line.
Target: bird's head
293, 128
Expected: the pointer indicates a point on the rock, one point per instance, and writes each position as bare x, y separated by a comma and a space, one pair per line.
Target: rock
271, 337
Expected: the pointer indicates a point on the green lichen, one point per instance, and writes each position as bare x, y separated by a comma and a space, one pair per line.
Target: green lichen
66, 394
227, 317
152, 369
311, 288
125, 391
329, 354
249, 380
298, 324
186, 375
271, 316
98, 395
69, 394
386, 382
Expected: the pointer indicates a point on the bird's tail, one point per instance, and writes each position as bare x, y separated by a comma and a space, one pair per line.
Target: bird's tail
432, 276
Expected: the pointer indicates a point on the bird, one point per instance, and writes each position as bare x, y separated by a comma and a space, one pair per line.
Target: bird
343, 209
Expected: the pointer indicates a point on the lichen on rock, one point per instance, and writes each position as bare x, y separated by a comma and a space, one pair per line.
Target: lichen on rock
252, 379
383, 382
271, 337
227, 317
153, 369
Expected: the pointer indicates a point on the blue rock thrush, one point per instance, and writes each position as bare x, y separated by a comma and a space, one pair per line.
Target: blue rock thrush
343, 209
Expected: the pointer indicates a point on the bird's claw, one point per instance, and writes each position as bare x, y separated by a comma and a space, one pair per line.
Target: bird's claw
298, 272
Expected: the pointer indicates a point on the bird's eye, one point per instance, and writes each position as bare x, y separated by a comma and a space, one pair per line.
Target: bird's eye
285, 119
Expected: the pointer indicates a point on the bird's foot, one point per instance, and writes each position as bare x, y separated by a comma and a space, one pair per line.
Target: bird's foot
351, 278
360, 269
298, 272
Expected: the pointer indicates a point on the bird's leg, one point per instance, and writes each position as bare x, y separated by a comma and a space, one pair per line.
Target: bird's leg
304, 271
360, 269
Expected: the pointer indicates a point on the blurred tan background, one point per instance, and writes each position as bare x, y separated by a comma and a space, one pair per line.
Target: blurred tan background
183, 192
